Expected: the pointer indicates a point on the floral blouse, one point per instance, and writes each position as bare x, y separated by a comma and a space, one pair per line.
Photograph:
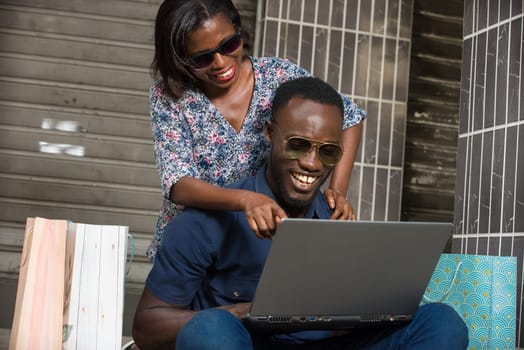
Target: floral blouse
192, 138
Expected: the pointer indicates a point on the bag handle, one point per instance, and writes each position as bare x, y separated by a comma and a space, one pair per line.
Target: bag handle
446, 293
130, 239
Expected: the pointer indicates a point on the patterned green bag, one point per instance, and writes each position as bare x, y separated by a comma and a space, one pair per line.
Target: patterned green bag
482, 289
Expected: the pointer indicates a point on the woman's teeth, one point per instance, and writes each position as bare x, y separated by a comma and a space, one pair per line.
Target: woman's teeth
227, 74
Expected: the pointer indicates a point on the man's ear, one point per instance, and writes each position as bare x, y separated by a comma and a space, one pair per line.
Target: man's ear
268, 131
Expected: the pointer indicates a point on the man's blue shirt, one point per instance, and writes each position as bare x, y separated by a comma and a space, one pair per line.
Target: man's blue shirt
212, 258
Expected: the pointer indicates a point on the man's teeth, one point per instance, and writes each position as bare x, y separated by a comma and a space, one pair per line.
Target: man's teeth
304, 178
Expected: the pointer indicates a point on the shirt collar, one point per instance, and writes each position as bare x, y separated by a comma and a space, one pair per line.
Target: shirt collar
318, 209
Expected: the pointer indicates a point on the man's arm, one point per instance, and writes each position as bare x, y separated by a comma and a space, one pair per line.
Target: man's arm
157, 323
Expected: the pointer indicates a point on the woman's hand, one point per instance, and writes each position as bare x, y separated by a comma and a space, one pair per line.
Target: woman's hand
263, 214
342, 209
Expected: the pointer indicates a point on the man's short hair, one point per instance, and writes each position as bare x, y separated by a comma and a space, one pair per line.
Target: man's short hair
309, 88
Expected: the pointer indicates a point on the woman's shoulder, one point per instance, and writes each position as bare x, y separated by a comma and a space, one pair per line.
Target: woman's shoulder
269, 62
277, 68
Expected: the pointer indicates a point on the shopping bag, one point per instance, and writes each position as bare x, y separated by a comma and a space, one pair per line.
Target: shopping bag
70, 292
482, 289
38, 317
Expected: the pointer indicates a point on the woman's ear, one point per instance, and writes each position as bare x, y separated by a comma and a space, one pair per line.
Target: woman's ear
268, 131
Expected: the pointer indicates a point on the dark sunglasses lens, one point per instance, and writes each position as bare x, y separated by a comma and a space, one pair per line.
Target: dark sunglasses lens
297, 147
231, 45
329, 154
227, 48
201, 61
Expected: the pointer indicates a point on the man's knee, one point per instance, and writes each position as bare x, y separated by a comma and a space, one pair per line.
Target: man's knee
446, 321
214, 329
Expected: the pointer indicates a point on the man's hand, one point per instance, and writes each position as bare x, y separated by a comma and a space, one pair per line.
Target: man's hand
263, 214
342, 208
239, 310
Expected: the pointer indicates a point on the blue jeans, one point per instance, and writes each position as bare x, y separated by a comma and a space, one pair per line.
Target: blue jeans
434, 326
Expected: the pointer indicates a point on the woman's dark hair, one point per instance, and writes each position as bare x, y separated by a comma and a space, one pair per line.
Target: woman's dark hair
175, 21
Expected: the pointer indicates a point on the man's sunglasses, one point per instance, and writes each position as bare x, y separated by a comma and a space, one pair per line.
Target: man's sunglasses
297, 147
228, 47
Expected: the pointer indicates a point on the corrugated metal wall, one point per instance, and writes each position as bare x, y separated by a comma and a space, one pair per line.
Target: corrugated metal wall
75, 135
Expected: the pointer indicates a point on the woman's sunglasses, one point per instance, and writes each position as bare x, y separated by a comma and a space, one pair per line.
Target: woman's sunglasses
228, 47
297, 147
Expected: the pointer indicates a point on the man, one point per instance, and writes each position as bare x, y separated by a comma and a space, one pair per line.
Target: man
206, 272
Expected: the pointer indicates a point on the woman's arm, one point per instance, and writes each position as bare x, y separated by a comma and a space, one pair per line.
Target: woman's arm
262, 213
338, 187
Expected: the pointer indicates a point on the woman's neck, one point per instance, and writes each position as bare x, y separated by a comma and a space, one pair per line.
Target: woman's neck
244, 81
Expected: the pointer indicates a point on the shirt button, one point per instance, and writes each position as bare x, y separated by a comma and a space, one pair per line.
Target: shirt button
236, 293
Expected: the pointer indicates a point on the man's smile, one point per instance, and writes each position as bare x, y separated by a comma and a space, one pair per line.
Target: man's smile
303, 181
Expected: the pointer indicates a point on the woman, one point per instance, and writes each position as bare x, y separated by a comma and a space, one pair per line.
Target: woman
208, 113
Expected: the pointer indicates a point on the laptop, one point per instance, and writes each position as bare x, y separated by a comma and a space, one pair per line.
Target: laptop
328, 274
